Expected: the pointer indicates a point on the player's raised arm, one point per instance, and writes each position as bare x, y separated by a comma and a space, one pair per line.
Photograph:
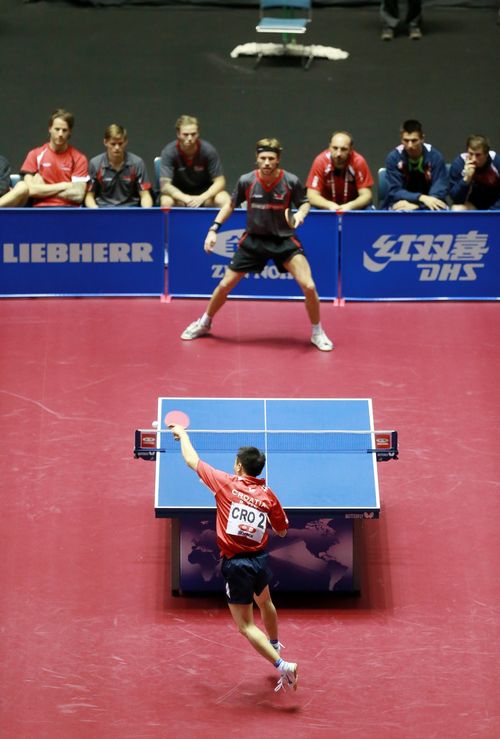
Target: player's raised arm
188, 451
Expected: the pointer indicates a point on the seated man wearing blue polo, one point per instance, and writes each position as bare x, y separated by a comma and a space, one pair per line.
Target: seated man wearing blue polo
416, 173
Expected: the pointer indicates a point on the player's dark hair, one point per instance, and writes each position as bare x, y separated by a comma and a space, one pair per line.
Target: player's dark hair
251, 459
412, 126
67, 117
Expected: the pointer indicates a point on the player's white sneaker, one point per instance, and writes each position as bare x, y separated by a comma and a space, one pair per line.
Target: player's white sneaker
289, 676
322, 342
195, 329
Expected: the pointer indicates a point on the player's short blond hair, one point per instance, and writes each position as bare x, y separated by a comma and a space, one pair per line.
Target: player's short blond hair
186, 120
115, 131
268, 145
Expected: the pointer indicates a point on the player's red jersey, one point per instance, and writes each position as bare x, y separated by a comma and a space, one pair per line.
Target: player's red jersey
244, 505
65, 166
340, 186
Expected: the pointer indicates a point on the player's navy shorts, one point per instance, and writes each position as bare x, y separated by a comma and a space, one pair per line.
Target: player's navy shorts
254, 252
245, 574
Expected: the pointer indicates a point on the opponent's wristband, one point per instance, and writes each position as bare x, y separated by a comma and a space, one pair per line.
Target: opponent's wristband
215, 226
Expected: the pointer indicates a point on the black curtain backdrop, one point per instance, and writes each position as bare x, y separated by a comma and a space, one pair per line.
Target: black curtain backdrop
143, 66
248, 3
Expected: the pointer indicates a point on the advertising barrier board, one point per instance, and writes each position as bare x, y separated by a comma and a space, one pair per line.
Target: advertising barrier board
194, 273
420, 256
74, 251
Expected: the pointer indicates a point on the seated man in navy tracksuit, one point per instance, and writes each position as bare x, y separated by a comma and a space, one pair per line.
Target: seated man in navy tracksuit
416, 173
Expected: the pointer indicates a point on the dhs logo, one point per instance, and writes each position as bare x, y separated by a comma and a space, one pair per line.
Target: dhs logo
441, 257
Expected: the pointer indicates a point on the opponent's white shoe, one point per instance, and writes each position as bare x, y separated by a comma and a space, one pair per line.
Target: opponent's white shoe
322, 342
194, 330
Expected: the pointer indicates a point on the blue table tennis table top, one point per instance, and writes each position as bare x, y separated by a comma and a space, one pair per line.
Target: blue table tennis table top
326, 483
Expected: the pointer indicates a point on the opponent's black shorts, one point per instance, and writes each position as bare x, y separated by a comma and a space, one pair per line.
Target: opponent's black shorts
244, 576
254, 252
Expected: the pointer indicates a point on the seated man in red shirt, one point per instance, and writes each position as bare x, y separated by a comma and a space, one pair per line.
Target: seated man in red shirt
340, 178
56, 173
244, 561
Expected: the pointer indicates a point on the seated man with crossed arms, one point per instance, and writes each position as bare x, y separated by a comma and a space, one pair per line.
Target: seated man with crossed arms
56, 173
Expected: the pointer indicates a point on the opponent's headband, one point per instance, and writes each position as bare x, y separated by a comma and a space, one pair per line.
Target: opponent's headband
274, 149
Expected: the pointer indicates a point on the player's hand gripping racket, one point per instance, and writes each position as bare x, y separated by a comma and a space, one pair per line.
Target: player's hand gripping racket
176, 418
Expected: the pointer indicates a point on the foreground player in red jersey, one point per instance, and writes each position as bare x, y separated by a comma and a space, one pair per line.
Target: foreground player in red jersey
269, 192
244, 506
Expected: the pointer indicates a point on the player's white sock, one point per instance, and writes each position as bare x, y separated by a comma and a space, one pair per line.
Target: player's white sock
205, 320
316, 328
282, 666
276, 644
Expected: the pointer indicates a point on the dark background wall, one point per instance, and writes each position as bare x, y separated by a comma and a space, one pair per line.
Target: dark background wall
143, 66
249, 3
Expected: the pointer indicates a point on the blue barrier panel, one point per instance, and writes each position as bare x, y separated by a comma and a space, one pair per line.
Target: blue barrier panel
428, 256
73, 251
193, 273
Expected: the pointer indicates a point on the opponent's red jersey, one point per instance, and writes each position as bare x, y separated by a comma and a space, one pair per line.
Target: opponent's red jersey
244, 505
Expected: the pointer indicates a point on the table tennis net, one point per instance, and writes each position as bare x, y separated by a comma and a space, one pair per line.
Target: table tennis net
383, 443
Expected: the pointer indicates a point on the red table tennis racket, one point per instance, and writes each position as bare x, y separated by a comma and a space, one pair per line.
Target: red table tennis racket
177, 418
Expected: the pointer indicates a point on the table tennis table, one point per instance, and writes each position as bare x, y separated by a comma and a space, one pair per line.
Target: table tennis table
326, 494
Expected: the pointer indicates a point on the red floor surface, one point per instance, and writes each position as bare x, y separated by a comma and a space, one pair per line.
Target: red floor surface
94, 646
